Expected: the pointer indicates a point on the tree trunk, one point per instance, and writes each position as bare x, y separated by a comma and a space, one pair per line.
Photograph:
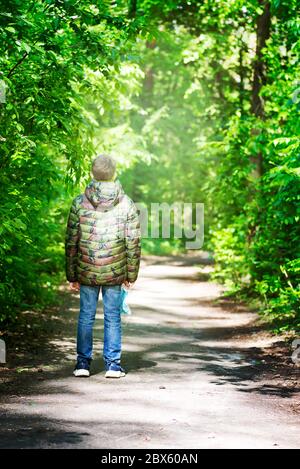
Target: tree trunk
149, 74
242, 76
132, 8
263, 29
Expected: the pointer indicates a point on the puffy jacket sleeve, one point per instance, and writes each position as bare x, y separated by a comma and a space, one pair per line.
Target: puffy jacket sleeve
71, 243
133, 243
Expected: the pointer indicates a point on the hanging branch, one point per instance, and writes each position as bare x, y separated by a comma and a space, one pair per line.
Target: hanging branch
10, 73
25, 55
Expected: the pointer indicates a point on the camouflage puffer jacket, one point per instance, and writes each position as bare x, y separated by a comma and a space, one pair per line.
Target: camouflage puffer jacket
103, 236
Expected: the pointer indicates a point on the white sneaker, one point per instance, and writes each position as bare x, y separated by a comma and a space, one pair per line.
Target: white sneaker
115, 374
81, 373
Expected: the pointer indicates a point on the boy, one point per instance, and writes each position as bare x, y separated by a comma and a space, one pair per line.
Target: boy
102, 252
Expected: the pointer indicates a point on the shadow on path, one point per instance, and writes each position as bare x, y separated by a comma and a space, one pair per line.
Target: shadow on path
197, 340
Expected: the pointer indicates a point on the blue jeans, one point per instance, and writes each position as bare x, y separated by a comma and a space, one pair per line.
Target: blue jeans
89, 296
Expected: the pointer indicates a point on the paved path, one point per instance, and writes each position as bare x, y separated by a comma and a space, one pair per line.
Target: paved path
191, 381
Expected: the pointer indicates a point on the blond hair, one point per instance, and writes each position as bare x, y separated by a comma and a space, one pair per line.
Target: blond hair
103, 168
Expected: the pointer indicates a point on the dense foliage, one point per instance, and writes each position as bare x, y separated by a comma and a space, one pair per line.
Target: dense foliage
198, 100
54, 55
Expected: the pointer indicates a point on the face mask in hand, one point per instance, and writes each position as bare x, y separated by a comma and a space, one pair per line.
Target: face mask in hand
125, 309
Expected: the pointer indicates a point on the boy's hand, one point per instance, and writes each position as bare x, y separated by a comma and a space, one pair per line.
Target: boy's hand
128, 284
74, 286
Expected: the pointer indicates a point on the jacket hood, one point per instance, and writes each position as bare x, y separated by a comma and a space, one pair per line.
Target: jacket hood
104, 194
